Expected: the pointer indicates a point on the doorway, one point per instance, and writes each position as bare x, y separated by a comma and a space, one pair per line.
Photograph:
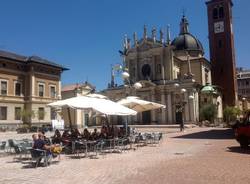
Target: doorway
146, 117
178, 114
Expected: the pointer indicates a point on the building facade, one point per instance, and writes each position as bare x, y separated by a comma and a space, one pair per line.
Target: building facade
27, 84
222, 53
243, 80
77, 117
171, 73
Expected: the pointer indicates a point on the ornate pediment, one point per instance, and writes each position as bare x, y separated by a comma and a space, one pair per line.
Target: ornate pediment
145, 46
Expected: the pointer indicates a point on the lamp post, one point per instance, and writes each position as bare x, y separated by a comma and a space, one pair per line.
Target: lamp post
244, 103
180, 106
137, 85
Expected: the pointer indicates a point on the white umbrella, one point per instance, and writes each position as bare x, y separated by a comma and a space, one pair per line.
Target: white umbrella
101, 105
94, 95
139, 105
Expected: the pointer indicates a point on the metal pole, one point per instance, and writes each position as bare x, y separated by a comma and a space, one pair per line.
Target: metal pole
70, 123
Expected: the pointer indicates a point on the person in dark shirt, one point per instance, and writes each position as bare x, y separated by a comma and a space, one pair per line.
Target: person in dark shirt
46, 139
57, 137
95, 135
41, 144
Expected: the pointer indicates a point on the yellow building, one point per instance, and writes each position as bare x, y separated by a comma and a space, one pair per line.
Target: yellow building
77, 117
27, 84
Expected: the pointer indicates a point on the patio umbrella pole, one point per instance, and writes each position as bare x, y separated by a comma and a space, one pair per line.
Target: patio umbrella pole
126, 125
107, 119
70, 123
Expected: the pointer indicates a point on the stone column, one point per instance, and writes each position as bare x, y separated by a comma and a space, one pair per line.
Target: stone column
59, 96
191, 108
186, 107
163, 101
169, 108
153, 118
32, 83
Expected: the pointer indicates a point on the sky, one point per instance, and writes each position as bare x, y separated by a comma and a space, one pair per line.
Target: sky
85, 35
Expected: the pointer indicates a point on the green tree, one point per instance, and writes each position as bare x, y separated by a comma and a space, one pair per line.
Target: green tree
27, 115
208, 112
231, 113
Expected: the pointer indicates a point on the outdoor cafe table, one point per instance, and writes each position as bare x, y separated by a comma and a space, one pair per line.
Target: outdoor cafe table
86, 145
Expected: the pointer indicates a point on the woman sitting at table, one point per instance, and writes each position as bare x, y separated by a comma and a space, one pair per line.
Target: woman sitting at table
95, 135
104, 133
86, 134
57, 138
75, 134
66, 139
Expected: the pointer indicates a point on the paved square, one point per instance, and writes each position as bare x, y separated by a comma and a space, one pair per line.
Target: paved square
199, 155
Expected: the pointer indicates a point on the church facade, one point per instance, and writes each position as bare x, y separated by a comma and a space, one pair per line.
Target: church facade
171, 73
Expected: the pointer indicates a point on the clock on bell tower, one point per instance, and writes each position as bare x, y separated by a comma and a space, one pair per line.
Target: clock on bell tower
221, 44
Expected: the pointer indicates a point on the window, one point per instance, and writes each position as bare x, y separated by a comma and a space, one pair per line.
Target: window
3, 113
86, 117
146, 70
215, 13
18, 89
41, 90
247, 83
17, 113
52, 91
3, 87
41, 113
221, 12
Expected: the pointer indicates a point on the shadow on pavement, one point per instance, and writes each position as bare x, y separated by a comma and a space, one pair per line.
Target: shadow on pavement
238, 149
210, 134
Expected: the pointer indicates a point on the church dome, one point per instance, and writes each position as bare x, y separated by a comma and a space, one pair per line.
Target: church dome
185, 40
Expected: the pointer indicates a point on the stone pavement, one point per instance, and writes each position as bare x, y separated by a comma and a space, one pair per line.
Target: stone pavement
199, 155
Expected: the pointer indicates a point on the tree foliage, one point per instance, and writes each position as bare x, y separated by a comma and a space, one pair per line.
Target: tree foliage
27, 115
230, 113
208, 112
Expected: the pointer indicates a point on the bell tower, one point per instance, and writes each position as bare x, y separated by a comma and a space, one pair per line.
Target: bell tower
222, 54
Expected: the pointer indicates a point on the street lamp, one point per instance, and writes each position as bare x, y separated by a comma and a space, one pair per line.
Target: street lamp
244, 104
183, 90
125, 75
137, 85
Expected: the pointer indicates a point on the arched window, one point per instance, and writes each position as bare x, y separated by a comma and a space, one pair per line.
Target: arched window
221, 12
215, 13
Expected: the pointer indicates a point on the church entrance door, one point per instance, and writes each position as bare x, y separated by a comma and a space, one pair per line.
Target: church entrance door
146, 117
178, 114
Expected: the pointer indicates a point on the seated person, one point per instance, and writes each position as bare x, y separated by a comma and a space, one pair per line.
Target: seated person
104, 133
56, 139
121, 132
95, 135
46, 139
40, 143
116, 131
34, 138
66, 135
86, 134
75, 134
